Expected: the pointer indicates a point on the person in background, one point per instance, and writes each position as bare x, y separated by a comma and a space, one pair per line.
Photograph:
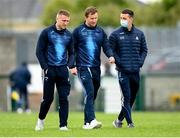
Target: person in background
88, 40
19, 79
55, 54
130, 50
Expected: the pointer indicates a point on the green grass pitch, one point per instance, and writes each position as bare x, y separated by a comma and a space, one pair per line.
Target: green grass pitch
147, 124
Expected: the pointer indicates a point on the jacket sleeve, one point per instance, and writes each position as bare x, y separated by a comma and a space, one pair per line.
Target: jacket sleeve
41, 50
106, 48
144, 50
113, 43
75, 44
71, 54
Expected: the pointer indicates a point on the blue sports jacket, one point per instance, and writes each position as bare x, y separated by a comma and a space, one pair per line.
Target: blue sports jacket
129, 48
20, 77
87, 44
53, 46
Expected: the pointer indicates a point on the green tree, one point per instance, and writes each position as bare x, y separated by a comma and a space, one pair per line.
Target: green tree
168, 4
165, 13
106, 9
51, 9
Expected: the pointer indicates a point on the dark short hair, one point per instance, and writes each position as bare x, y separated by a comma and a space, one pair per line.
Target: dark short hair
90, 10
64, 12
128, 11
24, 63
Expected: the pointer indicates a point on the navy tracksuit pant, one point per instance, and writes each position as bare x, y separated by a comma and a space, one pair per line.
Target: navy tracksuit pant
129, 83
22, 89
90, 79
58, 76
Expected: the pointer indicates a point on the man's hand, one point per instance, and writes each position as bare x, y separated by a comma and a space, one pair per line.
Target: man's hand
73, 71
111, 60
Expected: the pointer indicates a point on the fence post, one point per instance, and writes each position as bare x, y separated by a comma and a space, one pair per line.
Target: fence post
140, 99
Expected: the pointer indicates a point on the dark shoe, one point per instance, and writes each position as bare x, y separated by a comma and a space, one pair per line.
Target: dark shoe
117, 123
131, 125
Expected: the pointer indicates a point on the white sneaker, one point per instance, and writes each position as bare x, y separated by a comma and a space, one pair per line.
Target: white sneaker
39, 125
28, 111
63, 128
95, 124
19, 110
86, 126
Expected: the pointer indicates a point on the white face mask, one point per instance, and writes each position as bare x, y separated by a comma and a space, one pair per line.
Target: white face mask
124, 23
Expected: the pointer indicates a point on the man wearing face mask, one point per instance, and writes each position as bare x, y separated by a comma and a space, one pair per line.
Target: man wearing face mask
130, 50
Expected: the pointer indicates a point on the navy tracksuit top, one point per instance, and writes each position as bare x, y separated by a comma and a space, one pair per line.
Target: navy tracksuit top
52, 48
87, 43
129, 49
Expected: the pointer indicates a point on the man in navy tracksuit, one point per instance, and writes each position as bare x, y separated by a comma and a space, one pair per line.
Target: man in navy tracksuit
19, 79
88, 40
130, 50
53, 45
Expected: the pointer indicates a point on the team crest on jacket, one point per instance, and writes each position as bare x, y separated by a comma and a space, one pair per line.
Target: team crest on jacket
137, 38
121, 37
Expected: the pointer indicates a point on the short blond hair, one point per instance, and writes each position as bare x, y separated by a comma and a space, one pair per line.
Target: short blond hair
63, 12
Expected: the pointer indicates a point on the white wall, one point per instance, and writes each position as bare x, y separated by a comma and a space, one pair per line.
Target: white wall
36, 85
112, 95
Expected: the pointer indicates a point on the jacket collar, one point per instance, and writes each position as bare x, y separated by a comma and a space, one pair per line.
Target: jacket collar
58, 31
92, 28
126, 29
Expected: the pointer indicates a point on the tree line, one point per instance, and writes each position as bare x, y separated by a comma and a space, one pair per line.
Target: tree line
164, 13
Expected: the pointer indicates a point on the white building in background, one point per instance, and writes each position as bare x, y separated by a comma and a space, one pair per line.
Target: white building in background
112, 95
36, 85
149, 1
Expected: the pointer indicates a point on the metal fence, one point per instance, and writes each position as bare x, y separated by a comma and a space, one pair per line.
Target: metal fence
163, 55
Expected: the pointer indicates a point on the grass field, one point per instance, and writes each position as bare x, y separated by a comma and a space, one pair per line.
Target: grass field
147, 124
